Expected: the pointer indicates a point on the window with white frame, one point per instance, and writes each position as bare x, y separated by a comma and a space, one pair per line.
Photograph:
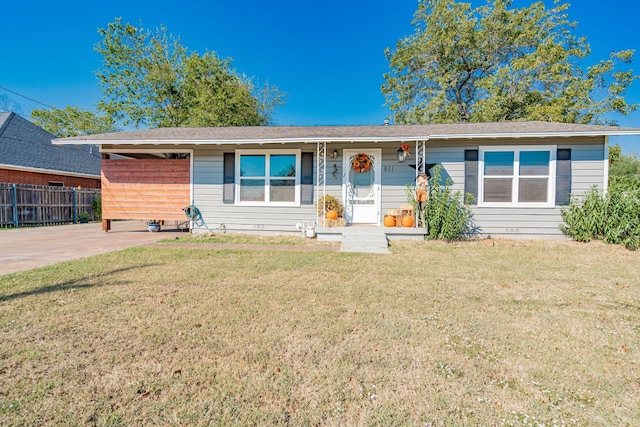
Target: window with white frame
268, 177
517, 176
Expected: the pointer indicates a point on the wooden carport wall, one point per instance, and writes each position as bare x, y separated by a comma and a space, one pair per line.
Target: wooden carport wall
144, 189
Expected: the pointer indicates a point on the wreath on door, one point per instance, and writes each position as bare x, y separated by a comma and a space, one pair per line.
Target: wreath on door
362, 163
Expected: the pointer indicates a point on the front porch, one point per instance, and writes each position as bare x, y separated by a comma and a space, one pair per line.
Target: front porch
369, 183
335, 234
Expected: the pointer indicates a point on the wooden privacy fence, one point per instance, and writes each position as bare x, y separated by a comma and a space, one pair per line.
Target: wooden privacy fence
24, 205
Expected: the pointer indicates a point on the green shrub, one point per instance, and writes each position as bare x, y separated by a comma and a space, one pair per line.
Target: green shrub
447, 215
96, 208
612, 218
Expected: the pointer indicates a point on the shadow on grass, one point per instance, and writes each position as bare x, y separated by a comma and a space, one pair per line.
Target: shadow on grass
70, 284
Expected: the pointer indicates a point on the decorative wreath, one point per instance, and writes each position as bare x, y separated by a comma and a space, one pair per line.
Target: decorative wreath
362, 163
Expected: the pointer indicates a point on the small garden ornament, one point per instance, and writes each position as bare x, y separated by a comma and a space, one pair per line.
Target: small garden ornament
421, 193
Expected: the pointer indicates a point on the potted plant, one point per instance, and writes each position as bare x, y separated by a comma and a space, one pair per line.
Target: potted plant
83, 217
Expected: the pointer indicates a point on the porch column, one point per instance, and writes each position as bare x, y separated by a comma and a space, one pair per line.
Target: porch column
106, 223
321, 170
421, 157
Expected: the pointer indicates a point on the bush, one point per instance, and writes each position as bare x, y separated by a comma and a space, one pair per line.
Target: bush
96, 208
447, 215
612, 218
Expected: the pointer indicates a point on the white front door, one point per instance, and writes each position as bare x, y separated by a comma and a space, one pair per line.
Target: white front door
361, 186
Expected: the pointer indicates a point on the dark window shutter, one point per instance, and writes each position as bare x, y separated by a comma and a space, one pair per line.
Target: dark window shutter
471, 173
229, 188
563, 176
306, 179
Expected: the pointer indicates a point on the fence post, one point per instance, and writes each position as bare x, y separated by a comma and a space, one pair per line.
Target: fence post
15, 205
75, 204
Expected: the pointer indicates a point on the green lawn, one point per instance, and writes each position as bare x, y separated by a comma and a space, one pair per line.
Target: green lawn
480, 333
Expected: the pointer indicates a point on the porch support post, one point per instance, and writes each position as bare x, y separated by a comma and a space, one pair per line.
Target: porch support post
106, 223
321, 174
421, 157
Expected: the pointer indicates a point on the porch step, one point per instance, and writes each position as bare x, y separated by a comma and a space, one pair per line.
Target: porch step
365, 239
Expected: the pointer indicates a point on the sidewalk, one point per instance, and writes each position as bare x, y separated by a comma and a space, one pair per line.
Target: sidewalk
23, 249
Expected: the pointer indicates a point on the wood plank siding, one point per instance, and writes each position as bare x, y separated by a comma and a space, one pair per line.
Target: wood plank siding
145, 189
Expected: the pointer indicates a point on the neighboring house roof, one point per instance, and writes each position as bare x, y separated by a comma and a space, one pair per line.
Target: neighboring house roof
26, 146
312, 134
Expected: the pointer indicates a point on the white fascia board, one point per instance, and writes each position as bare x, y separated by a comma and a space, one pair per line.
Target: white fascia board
314, 140
48, 171
533, 135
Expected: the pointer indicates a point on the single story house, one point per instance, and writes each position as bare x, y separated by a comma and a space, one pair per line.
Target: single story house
267, 179
28, 157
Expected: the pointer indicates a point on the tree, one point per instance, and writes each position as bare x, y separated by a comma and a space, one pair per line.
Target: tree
149, 78
621, 166
9, 105
72, 121
496, 63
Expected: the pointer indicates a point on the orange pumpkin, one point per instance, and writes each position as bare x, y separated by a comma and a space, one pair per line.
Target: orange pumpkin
332, 214
407, 221
389, 221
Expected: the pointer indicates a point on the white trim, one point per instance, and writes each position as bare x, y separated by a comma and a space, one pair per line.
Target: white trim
146, 150
377, 184
48, 171
551, 186
238, 178
558, 134
348, 139
260, 141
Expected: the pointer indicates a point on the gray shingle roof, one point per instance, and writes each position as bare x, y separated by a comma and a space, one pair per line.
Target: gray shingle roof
221, 135
24, 144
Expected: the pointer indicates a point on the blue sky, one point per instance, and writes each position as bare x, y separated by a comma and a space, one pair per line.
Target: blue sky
327, 56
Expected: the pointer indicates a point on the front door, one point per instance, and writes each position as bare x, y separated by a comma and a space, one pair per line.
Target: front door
361, 186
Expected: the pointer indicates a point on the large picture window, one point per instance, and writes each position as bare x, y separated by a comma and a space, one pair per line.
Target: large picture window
268, 178
517, 176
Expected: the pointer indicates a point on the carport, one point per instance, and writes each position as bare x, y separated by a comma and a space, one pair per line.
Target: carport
144, 189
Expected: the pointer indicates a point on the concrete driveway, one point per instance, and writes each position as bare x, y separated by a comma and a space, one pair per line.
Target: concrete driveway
23, 249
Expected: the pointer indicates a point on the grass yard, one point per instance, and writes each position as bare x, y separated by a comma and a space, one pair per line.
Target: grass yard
482, 333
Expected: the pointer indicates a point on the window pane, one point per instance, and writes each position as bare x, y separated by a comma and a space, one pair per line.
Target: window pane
497, 189
498, 163
533, 190
283, 165
252, 165
534, 162
282, 190
252, 190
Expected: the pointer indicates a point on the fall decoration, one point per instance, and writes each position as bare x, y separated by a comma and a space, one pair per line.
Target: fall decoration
331, 214
389, 221
329, 203
362, 163
405, 148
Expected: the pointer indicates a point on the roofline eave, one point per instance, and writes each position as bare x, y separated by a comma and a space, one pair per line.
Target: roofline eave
312, 140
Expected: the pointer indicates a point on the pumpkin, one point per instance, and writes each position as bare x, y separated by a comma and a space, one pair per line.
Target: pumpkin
389, 221
331, 214
407, 221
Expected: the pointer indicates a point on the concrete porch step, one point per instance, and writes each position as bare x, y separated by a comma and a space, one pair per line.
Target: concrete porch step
365, 239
